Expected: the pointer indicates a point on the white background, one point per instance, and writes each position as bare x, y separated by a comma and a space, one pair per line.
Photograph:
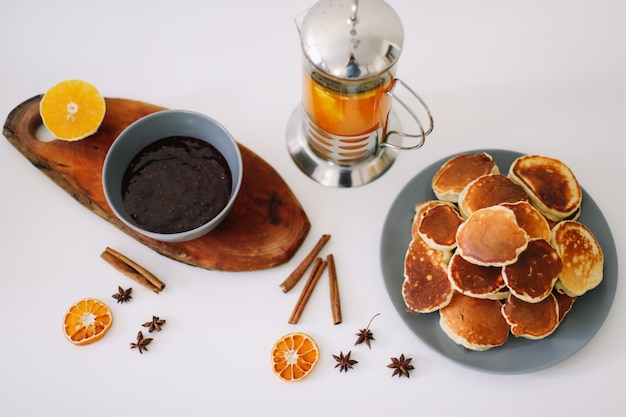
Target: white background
535, 76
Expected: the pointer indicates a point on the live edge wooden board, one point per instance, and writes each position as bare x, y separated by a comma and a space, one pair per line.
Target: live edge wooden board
264, 229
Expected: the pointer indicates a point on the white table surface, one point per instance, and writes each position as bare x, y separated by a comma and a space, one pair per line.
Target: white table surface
535, 77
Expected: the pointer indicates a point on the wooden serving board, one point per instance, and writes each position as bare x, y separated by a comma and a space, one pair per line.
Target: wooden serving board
264, 229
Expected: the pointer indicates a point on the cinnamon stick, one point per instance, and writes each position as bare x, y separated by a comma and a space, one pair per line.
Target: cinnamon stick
132, 270
297, 273
318, 268
335, 299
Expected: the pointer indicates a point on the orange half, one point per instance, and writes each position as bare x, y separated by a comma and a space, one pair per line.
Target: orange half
294, 356
72, 110
87, 321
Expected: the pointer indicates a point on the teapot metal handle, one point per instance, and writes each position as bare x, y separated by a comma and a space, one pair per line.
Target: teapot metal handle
423, 132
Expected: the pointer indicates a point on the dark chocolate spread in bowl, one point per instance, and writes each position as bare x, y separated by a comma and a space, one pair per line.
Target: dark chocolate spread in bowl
176, 184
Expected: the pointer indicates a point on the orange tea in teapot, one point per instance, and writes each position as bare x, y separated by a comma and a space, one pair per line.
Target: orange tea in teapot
345, 118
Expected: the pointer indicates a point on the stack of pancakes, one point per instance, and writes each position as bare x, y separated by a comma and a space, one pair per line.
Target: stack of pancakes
500, 254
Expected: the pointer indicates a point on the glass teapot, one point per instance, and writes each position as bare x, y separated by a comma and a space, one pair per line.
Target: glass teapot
341, 134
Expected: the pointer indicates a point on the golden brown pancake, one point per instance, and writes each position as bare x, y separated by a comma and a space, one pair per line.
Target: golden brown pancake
426, 287
438, 226
573, 216
531, 320
487, 191
474, 323
550, 184
533, 276
420, 209
491, 237
459, 171
475, 280
529, 219
565, 303
583, 260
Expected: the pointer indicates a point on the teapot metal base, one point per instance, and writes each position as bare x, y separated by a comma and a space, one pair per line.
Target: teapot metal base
329, 173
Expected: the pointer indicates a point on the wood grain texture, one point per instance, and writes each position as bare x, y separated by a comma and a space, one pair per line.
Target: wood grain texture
264, 229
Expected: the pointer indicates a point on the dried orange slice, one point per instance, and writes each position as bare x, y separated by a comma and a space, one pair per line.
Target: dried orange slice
294, 356
87, 321
72, 110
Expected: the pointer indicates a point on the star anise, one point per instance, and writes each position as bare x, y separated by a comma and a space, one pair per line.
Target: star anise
142, 343
123, 295
365, 335
344, 362
154, 324
401, 366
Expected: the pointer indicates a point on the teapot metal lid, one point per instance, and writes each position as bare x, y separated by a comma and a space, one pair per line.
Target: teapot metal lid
351, 39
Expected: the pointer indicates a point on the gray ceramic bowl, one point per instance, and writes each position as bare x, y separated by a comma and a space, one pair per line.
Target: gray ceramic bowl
152, 128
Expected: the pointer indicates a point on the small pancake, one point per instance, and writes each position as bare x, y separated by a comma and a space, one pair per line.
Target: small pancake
426, 287
533, 276
491, 237
474, 323
565, 303
531, 320
503, 294
438, 226
529, 219
583, 260
420, 209
459, 171
550, 184
489, 190
574, 216
475, 280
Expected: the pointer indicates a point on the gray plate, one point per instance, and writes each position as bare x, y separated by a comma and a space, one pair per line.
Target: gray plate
517, 355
